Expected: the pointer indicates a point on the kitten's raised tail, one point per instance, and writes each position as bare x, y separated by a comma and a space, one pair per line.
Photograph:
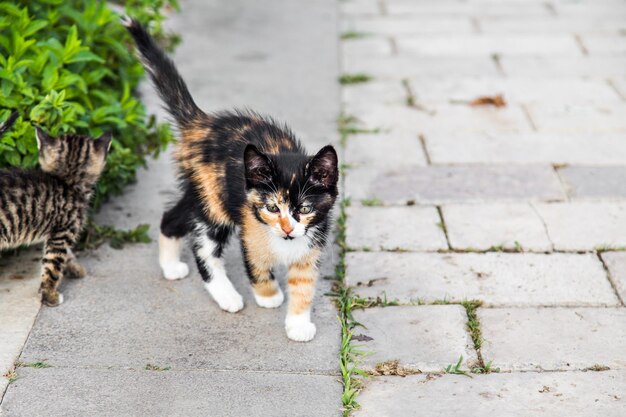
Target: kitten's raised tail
4, 127
164, 75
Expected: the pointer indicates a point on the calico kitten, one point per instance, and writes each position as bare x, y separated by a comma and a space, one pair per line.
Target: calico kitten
241, 169
50, 204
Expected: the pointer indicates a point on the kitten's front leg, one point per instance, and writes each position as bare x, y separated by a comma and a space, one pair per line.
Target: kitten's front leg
301, 280
54, 262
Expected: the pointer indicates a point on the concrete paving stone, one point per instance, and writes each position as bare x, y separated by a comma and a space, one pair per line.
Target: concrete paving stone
394, 228
439, 118
19, 304
603, 8
382, 151
589, 119
136, 392
570, 90
509, 279
424, 338
459, 183
554, 338
505, 45
359, 7
616, 264
400, 67
595, 182
527, 148
380, 92
403, 25
585, 226
561, 66
599, 45
457, 8
552, 394
368, 46
609, 24
483, 226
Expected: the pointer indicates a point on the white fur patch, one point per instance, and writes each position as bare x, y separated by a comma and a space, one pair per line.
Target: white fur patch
270, 302
299, 327
289, 251
220, 287
169, 258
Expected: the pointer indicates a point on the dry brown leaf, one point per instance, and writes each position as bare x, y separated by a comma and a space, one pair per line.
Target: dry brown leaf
497, 101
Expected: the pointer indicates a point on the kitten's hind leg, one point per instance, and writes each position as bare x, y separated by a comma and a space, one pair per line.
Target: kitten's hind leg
73, 269
174, 226
54, 261
208, 244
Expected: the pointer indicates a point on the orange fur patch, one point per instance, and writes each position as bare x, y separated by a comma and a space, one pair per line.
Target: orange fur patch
265, 288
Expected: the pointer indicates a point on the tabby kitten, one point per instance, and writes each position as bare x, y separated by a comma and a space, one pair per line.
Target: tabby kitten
50, 204
240, 169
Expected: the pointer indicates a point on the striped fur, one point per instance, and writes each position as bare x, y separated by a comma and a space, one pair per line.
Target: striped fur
49, 204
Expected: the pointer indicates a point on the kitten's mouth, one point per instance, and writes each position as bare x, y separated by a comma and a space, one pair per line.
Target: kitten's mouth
288, 237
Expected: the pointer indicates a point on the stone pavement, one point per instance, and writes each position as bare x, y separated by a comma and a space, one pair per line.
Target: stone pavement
522, 207
279, 58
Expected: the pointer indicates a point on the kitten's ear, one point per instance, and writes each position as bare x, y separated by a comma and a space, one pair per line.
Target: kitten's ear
104, 142
43, 139
322, 168
258, 166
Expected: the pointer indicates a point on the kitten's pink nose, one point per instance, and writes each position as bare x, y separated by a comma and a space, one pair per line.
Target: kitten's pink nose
285, 224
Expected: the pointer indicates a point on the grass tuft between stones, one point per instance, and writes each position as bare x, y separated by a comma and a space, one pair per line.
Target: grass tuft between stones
358, 78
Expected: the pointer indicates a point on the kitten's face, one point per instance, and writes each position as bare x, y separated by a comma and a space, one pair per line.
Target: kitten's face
291, 193
76, 159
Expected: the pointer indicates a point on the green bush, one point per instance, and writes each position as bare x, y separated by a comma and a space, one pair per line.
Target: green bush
67, 65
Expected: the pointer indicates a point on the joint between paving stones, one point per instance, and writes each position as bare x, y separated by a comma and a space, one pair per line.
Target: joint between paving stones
614, 87
610, 278
444, 228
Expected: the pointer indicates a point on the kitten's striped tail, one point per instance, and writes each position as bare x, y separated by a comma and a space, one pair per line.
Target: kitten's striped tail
164, 75
4, 127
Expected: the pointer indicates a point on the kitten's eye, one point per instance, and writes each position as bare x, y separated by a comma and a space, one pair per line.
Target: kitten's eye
305, 209
272, 208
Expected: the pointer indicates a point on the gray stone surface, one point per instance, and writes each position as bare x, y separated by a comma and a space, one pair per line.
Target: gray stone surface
485, 226
424, 338
19, 304
455, 183
554, 338
496, 278
616, 264
394, 228
585, 225
595, 182
124, 315
553, 394
399, 67
576, 119
592, 66
384, 151
528, 148
185, 393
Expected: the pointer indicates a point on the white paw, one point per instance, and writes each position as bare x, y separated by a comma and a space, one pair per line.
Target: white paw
175, 270
60, 299
299, 328
270, 302
226, 296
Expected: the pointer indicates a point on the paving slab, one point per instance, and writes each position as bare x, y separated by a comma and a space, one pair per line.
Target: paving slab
425, 10
467, 45
400, 25
606, 23
554, 338
616, 264
421, 338
19, 305
457, 183
399, 67
509, 279
585, 226
595, 182
553, 394
381, 92
439, 118
562, 66
384, 151
394, 228
366, 46
484, 226
589, 119
526, 148
137, 392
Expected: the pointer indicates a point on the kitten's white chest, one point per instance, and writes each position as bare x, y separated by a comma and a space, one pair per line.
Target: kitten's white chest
288, 251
